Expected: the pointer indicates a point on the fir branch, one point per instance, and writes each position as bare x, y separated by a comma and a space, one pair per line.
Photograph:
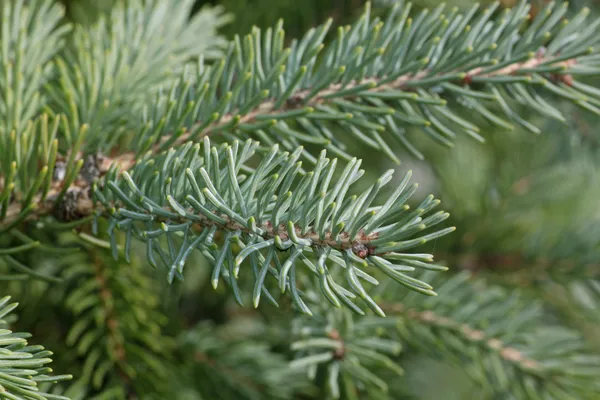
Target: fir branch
118, 326
302, 101
258, 211
24, 366
381, 76
235, 361
467, 333
521, 357
254, 212
309, 102
312, 101
339, 353
179, 202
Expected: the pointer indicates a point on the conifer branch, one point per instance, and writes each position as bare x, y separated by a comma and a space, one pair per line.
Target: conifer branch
237, 362
382, 88
235, 94
515, 357
24, 366
468, 333
345, 351
382, 76
145, 175
274, 211
118, 324
267, 109
126, 161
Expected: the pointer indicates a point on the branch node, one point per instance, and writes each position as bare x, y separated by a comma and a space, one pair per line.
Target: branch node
91, 167
69, 208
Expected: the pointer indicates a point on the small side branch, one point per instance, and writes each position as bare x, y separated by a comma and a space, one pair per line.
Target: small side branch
468, 333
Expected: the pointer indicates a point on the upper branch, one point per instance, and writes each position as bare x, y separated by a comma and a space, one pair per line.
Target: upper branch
381, 76
301, 99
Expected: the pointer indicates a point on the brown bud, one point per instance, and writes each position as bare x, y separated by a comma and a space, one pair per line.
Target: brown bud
91, 167
360, 249
68, 208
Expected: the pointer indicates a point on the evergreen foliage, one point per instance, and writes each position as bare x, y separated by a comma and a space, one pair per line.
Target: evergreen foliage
152, 173
117, 326
501, 341
24, 366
